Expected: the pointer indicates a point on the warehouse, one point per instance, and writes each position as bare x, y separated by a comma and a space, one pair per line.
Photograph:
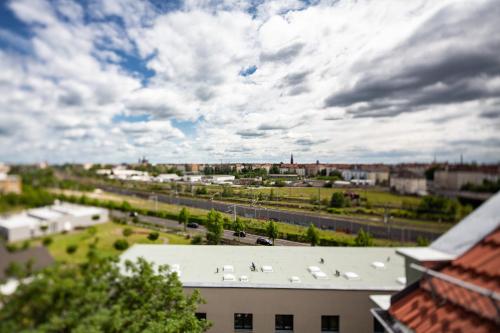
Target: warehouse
284, 289
42, 221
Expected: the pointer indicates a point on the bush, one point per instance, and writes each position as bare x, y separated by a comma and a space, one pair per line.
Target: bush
11, 247
92, 231
338, 200
127, 232
120, 244
196, 240
26, 245
47, 241
153, 236
70, 249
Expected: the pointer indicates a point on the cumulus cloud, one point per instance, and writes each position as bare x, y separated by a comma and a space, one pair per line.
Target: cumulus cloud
346, 81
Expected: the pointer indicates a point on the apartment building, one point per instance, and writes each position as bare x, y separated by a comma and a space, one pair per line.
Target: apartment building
282, 289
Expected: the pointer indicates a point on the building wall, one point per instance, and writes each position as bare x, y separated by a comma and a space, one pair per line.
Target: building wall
11, 184
454, 180
307, 306
408, 185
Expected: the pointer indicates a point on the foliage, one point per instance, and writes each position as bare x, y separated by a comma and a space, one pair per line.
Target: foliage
201, 190
437, 207
184, 217
127, 232
96, 297
272, 230
30, 197
26, 245
363, 238
196, 240
120, 244
47, 241
153, 236
227, 191
422, 241
487, 186
312, 235
92, 231
239, 225
338, 200
215, 227
71, 248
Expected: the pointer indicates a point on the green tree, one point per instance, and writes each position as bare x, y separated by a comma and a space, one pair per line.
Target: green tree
70, 249
271, 195
127, 232
272, 230
120, 244
239, 226
153, 236
215, 227
184, 217
97, 297
363, 238
312, 235
338, 200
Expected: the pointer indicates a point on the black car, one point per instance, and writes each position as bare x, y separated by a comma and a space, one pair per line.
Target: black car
263, 241
240, 234
193, 225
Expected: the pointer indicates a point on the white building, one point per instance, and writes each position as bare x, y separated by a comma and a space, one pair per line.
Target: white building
222, 179
166, 177
407, 182
49, 220
193, 178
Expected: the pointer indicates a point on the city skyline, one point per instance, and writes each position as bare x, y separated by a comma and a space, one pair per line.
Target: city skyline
105, 81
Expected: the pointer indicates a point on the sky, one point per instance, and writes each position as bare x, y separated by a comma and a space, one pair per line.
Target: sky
346, 81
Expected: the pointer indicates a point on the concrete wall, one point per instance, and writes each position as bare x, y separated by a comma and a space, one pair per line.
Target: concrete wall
307, 306
408, 185
454, 180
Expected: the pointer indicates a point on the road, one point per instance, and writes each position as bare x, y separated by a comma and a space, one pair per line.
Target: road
391, 232
250, 239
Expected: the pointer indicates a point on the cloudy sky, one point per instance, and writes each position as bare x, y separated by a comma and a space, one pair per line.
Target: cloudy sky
205, 81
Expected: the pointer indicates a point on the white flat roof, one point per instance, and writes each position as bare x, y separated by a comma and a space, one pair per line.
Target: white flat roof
424, 254
18, 221
44, 213
199, 265
76, 210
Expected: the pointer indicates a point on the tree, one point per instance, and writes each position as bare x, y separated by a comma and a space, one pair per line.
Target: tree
97, 297
363, 238
272, 230
153, 236
271, 195
120, 244
312, 235
215, 227
127, 232
70, 249
239, 226
184, 217
338, 200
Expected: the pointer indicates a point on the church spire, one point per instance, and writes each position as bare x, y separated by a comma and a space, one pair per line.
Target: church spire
291, 158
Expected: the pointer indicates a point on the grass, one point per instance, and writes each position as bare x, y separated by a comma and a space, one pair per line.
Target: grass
107, 234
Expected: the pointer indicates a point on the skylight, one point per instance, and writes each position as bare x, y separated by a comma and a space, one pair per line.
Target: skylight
267, 269
228, 277
351, 276
243, 278
228, 268
294, 279
313, 269
378, 264
320, 275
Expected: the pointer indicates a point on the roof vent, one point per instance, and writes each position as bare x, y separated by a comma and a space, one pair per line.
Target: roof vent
228, 277
378, 265
294, 279
320, 275
313, 269
351, 276
267, 269
243, 278
401, 280
228, 268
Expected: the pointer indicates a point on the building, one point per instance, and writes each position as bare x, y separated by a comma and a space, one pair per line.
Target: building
48, 220
408, 182
10, 184
282, 289
221, 179
453, 177
192, 178
166, 177
454, 284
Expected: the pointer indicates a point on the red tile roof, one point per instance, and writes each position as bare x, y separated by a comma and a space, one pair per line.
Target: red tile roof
438, 305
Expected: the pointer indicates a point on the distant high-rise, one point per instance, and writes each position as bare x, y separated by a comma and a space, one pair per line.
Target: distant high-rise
291, 158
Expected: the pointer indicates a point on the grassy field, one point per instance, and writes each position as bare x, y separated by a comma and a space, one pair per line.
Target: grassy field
107, 234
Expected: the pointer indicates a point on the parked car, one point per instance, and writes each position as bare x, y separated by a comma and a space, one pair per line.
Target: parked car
193, 225
240, 234
263, 241
133, 214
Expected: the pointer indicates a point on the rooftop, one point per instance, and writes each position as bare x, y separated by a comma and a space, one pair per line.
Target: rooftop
278, 267
19, 220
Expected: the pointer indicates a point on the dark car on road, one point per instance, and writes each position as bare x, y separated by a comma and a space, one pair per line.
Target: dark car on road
240, 234
263, 241
193, 225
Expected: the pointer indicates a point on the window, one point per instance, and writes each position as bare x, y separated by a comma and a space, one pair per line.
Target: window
201, 315
377, 326
243, 321
284, 323
330, 324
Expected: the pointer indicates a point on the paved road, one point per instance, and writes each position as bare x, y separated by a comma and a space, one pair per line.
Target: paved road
292, 217
250, 239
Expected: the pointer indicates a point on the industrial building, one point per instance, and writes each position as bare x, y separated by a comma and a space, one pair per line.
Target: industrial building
282, 289
48, 220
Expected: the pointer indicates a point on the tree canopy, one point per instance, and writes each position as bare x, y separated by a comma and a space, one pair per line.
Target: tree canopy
98, 297
272, 230
215, 227
312, 235
184, 217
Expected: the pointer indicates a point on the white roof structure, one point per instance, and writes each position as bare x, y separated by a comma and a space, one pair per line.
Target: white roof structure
45, 213
19, 220
76, 210
278, 267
